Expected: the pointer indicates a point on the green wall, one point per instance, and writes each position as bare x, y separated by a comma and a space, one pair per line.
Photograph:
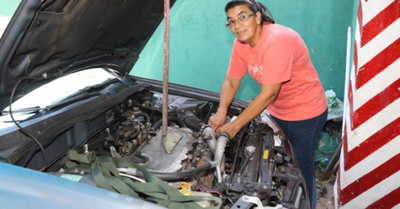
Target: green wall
200, 44
8, 7
323, 26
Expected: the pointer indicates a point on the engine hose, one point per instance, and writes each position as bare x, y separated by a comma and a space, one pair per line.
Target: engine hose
219, 153
183, 174
176, 176
134, 135
156, 125
192, 122
209, 136
136, 115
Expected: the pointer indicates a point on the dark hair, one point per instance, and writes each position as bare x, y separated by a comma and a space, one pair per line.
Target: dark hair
266, 15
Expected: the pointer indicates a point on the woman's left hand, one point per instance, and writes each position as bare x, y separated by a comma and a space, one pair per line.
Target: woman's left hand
229, 128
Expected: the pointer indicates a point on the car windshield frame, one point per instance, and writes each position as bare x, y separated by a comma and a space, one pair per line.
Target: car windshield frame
53, 92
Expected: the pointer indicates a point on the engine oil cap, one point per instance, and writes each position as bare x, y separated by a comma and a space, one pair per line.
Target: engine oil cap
185, 189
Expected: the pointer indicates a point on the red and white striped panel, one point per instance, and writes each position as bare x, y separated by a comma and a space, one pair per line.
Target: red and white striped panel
369, 173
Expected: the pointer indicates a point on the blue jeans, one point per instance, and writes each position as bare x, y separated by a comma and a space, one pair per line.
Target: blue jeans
303, 135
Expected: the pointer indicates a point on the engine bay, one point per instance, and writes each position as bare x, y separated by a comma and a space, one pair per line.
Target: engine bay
256, 168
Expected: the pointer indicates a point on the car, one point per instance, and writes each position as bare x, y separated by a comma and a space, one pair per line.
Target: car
76, 125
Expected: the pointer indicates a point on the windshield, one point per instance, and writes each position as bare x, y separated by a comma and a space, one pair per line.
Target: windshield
52, 93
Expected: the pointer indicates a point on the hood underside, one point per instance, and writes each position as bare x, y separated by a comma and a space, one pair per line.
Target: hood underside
48, 38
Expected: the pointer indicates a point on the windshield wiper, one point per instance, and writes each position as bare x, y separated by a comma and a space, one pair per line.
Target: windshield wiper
82, 94
27, 110
71, 100
85, 93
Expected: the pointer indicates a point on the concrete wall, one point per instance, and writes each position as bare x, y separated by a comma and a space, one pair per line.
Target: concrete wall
369, 170
200, 44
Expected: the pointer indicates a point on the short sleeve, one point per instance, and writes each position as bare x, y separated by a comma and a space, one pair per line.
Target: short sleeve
237, 64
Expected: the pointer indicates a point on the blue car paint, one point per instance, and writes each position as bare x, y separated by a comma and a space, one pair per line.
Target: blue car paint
25, 188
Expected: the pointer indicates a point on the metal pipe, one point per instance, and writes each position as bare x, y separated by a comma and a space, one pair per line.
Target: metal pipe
174, 176
166, 70
347, 80
209, 136
219, 153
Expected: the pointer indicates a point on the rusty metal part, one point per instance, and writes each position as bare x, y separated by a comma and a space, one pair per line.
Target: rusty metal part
166, 69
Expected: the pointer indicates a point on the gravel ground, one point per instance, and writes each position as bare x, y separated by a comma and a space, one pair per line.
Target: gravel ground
325, 195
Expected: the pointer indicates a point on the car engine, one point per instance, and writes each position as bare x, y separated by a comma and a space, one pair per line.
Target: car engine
255, 169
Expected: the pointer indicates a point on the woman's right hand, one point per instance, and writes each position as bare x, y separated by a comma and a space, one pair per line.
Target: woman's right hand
228, 91
217, 120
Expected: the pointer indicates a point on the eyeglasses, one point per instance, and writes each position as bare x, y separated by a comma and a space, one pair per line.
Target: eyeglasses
240, 19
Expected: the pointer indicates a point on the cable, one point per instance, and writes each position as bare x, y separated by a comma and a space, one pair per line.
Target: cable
133, 177
20, 128
210, 191
199, 186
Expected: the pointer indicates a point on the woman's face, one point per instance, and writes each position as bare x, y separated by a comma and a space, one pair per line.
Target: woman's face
244, 24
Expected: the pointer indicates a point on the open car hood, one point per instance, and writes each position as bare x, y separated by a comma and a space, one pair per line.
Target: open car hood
49, 38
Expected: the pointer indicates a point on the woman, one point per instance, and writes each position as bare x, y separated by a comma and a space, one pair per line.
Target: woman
277, 58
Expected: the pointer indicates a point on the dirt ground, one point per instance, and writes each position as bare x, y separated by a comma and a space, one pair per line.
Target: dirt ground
325, 195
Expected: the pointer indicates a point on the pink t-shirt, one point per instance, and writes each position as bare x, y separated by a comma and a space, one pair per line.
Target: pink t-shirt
281, 56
